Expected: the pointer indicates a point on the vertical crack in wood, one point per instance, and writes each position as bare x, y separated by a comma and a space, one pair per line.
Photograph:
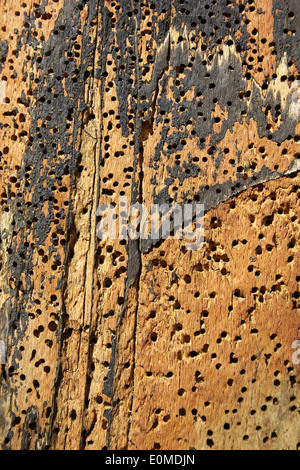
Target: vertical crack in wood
88, 302
145, 130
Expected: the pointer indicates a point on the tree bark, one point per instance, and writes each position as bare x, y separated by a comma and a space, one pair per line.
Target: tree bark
144, 344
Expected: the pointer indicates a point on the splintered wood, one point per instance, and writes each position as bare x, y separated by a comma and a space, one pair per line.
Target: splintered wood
121, 343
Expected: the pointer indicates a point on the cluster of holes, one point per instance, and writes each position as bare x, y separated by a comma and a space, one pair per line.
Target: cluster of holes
184, 339
112, 121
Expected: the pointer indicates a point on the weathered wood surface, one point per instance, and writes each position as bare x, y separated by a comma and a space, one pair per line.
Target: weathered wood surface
122, 345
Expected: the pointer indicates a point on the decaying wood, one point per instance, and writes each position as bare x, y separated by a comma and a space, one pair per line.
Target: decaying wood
130, 345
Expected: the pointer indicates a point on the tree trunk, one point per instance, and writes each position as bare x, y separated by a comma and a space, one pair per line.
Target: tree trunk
123, 343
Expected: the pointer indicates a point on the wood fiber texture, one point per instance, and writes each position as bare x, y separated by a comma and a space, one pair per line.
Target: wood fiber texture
125, 344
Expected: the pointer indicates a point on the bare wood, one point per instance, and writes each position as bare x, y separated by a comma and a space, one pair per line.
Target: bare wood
131, 345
